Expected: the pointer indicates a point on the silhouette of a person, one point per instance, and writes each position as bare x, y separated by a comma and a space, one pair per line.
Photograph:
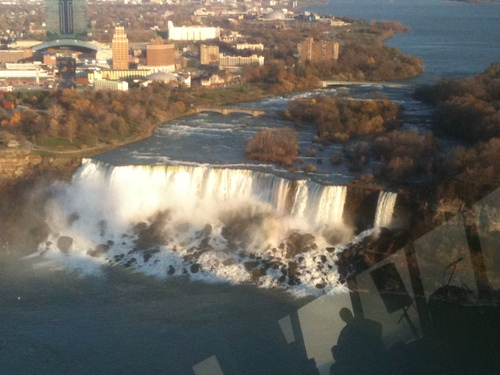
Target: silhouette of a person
359, 345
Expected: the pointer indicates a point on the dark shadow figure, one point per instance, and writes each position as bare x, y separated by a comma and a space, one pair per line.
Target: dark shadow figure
359, 348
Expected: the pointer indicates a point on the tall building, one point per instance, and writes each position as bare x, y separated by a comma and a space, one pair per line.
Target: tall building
317, 51
66, 18
119, 48
160, 54
209, 54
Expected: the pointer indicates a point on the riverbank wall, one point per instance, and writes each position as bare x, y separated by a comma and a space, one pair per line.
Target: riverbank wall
21, 163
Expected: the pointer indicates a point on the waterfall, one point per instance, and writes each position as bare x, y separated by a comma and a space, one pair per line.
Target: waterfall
209, 223
320, 204
385, 208
331, 204
139, 191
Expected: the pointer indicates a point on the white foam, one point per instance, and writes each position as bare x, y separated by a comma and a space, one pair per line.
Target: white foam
261, 210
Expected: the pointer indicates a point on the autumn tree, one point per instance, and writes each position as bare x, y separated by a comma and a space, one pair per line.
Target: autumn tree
466, 109
337, 120
69, 128
405, 154
274, 145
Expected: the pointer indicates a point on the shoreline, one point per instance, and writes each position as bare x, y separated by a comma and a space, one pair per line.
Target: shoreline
88, 152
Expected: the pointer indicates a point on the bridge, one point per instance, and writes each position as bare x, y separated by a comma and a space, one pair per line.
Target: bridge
362, 83
227, 110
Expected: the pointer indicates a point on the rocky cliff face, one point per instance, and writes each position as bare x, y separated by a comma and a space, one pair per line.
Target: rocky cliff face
21, 164
15, 164
361, 204
24, 178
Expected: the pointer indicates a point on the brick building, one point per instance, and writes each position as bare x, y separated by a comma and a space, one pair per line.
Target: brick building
317, 51
160, 54
14, 55
119, 48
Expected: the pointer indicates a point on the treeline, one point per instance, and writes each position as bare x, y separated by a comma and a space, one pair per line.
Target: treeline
337, 120
277, 78
404, 155
362, 56
467, 109
86, 118
401, 155
374, 63
388, 25
357, 62
483, 157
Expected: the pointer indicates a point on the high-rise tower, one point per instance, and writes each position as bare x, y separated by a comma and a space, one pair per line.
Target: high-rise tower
66, 18
119, 48
317, 51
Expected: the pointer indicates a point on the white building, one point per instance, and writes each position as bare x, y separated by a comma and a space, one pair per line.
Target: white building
253, 47
192, 33
110, 85
20, 71
214, 80
240, 60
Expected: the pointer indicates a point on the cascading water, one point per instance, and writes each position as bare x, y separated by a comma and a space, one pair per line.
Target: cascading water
323, 205
217, 224
385, 209
142, 190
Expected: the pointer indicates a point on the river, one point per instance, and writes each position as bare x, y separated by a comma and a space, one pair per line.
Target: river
75, 313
